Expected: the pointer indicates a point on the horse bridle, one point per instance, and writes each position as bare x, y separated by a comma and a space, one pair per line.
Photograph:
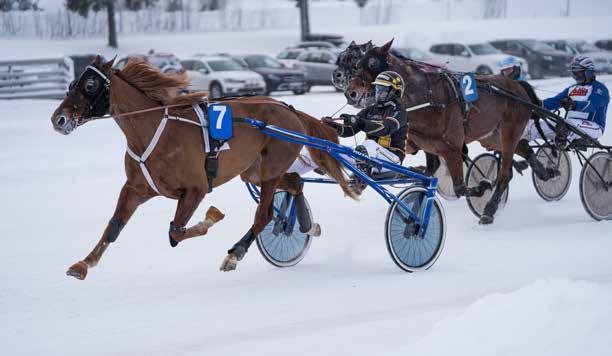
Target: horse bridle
96, 93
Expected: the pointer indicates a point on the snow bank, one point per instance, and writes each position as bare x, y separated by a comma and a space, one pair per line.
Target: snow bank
548, 317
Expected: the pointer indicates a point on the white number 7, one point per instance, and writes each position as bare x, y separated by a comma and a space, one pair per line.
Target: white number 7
221, 109
467, 80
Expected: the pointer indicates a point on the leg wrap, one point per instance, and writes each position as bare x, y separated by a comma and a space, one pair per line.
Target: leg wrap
115, 225
303, 214
241, 247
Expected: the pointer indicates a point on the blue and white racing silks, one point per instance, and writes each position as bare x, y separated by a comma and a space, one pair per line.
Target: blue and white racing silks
591, 102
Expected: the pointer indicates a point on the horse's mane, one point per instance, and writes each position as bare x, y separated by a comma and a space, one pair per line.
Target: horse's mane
164, 88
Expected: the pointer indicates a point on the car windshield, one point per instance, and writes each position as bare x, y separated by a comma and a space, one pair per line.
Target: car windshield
413, 53
262, 62
223, 65
482, 49
288, 55
164, 61
538, 46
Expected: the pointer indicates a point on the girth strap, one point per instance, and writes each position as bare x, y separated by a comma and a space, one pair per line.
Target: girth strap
147, 152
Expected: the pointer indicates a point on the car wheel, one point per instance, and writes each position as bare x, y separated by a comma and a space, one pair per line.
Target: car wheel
216, 91
484, 70
299, 92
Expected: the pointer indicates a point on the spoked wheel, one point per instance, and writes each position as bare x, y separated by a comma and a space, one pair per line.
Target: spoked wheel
596, 186
483, 167
281, 243
445, 182
408, 250
555, 188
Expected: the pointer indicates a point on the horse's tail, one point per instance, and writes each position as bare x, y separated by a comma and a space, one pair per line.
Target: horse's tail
331, 166
533, 97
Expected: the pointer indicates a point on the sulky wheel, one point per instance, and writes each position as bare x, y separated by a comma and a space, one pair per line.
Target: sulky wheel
596, 186
483, 168
445, 183
555, 188
409, 251
281, 243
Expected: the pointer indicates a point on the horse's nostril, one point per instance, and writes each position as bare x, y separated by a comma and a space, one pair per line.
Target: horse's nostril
61, 120
353, 94
338, 75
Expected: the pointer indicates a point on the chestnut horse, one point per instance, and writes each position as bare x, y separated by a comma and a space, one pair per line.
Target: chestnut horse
137, 97
442, 129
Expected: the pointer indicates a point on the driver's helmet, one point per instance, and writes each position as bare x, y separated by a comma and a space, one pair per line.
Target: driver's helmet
583, 69
388, 85
510, 67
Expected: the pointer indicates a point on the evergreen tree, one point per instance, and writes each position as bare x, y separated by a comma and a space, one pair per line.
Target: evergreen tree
82, 7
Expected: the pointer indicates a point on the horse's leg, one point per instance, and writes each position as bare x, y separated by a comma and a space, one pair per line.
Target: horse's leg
454, 162
432, 164
263, 215
129, 200
543, 173
509, 140
187, 204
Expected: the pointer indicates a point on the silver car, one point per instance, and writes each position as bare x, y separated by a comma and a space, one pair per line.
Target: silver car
318, 64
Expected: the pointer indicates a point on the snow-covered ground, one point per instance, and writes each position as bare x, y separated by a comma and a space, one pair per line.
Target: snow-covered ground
537, 282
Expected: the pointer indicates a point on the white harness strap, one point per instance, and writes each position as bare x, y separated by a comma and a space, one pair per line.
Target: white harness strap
142, 159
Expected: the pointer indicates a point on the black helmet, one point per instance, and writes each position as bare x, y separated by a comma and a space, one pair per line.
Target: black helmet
389, 85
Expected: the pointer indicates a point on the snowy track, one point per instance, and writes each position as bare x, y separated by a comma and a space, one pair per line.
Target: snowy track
539, 281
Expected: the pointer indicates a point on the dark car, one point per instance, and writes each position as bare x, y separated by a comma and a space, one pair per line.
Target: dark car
81, 62
276, 75
336, 40
604, 44
543, 60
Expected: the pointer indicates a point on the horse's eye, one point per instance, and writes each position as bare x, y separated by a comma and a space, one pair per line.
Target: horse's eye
372, 63
91, 86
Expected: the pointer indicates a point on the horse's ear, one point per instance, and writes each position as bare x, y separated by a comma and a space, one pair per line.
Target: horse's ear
108, 65
387, 46
352, 44
97, 60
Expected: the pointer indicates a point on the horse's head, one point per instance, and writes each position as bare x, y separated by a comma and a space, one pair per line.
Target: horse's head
346, 62
360, 92
87, 97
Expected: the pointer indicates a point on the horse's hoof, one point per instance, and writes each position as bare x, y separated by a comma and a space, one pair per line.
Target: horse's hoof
486, 220
78, 270
229, 263
173, 242
315, 230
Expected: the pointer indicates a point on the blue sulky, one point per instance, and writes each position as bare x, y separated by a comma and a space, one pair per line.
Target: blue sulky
416, 219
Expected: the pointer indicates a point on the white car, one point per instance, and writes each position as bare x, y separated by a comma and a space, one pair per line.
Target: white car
480, 58
222, 76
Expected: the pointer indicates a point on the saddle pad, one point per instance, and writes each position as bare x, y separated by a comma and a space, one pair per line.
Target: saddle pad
205, 135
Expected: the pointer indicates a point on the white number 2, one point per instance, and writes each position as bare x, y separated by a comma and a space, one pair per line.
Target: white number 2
467, 82
221, 109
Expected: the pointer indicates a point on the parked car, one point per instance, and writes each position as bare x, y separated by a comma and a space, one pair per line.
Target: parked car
602, 59
276, 75
336, 40
604, 44
417, 55
166, 62
543, 60
288, 57
318, 64
481, 58
81, 61
222, 76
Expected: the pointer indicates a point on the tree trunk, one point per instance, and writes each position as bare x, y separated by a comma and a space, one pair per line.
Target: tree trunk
112, 27
304, 20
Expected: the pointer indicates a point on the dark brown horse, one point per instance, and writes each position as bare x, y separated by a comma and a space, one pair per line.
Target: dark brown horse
442, 128
176, 167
